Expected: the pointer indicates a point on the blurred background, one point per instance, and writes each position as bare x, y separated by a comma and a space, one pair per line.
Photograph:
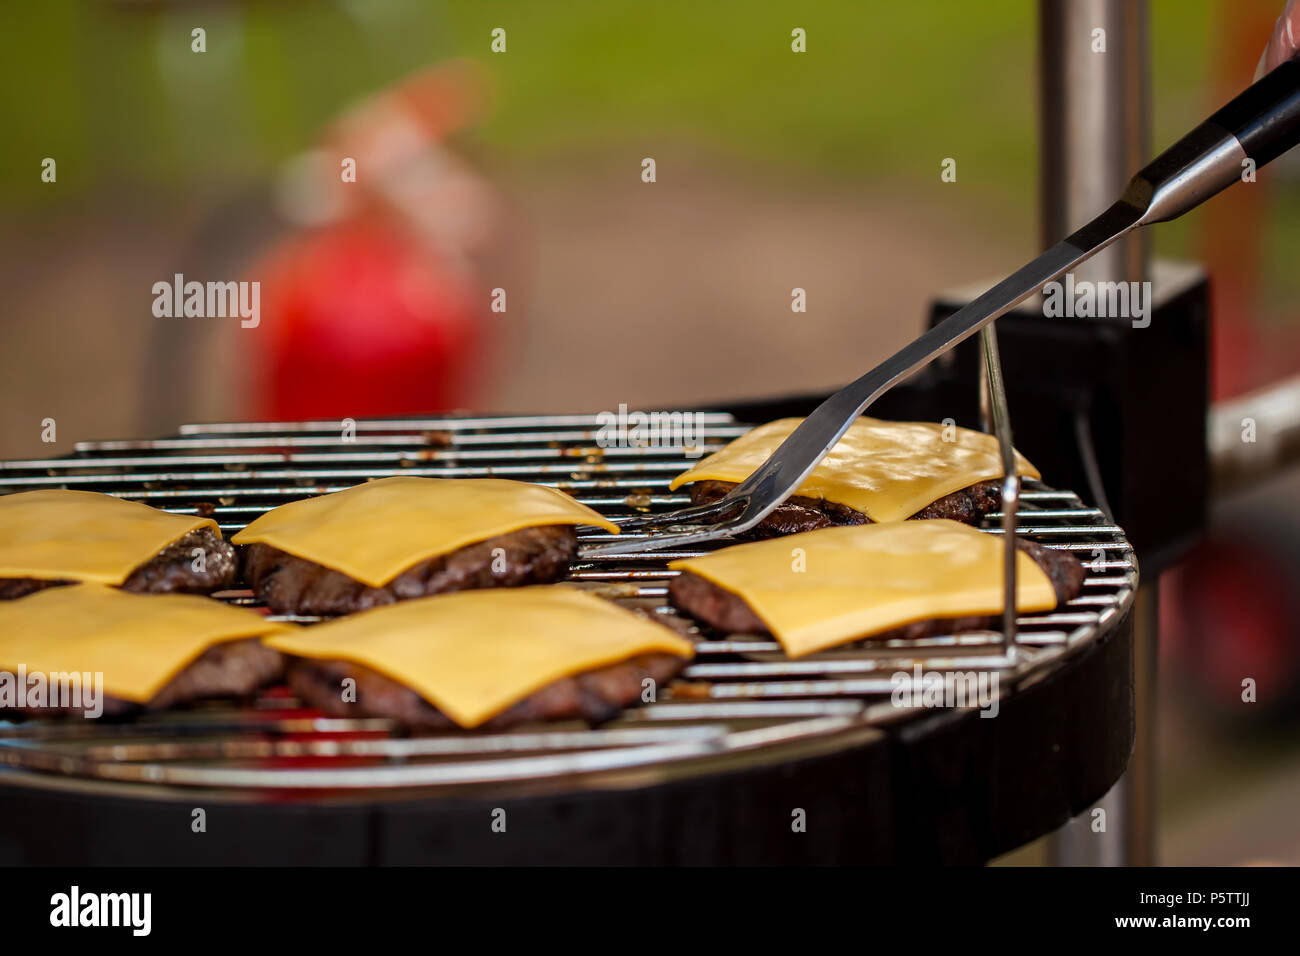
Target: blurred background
515, 178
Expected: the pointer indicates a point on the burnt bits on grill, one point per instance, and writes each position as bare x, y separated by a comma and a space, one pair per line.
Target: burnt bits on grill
293, 585
231, 669
595, 696
171, 571
798, 513
729, 613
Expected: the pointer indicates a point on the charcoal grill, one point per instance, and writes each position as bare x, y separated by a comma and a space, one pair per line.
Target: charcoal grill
712, 771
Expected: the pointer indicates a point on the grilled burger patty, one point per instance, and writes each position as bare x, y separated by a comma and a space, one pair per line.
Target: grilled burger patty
170, 571
728, 612
231, 669
595, 696
798, 513
293, 585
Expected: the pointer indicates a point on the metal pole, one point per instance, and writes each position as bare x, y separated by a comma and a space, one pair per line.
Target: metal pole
1093, 73
1093, 115
1255, 437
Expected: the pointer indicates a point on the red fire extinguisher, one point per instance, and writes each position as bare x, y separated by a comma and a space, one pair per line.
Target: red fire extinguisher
377, 305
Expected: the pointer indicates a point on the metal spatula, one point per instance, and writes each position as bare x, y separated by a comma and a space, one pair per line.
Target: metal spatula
1255, 128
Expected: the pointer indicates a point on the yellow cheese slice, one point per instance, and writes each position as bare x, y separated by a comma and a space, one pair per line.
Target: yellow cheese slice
474, 653
828, 587
886, 470
83, 535
377, 530
138, 642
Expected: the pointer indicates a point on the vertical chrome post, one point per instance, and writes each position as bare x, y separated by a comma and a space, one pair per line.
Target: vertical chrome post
1093, 121
1093, 71
994, 390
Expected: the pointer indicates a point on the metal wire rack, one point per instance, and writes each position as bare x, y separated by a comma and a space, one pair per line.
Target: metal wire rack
741, 698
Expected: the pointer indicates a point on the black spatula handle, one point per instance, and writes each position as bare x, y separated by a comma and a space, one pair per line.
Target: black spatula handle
1266, 117
1259, 125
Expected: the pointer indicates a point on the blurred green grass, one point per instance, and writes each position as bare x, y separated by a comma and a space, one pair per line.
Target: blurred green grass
886, 90
884, 93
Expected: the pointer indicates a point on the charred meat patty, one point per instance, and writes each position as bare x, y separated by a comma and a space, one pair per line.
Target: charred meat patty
595, 696
170, 571
728, 612
798, 513
293, 585
230, 669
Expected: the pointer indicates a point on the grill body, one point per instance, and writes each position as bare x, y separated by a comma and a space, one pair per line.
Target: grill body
749, 758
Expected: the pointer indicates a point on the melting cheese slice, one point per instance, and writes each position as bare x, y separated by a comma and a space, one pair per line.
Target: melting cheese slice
886, 470
83, 535
138, 642
861, 580
377, 530
472, 654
